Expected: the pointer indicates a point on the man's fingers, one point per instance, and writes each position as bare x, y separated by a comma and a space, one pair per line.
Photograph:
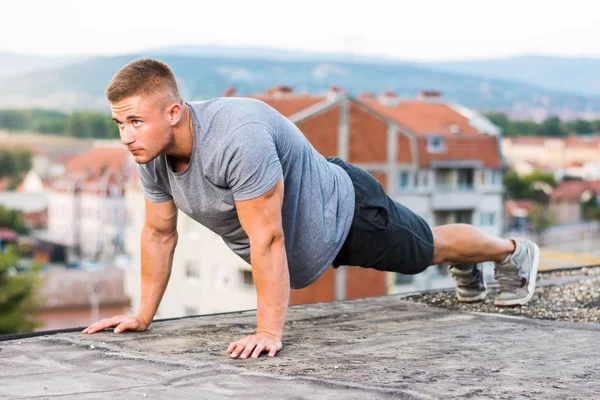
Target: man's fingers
123, 326
98, 326
248, 350
238, 349
273, 351
103, 324
231, 347
259, 348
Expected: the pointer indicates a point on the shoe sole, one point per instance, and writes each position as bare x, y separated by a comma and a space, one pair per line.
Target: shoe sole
530, 284
479, 297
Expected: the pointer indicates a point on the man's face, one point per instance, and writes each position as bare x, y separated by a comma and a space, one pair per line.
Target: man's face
144, 125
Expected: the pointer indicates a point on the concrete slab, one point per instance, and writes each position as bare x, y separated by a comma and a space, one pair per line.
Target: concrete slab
370, 348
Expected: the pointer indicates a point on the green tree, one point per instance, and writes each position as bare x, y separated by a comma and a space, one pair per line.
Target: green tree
17, 296
579, 126
540, 220
516, 187
551, 127
8, 163
12, 219
539, 176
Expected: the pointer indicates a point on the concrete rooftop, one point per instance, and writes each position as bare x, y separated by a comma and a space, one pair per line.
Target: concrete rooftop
373, 348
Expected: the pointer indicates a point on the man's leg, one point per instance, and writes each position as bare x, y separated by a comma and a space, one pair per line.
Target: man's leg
516, 262
463, 244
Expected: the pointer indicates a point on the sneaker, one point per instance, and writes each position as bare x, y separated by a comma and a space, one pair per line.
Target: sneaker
470, 285
516, 276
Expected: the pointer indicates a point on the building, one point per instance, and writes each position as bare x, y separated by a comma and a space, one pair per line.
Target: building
568, 200
441, 160
86, 210
206, 276
573, 156
74, 298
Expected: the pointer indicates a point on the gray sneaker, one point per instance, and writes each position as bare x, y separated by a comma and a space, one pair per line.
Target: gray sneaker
470, 285
516, 277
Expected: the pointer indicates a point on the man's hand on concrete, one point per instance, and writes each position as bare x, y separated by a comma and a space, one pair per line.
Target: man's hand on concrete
254, 345
121, 322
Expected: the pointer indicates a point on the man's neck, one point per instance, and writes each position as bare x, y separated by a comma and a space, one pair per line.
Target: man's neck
183, 141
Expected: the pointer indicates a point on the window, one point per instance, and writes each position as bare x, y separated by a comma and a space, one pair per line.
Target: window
192, 270
465, 178
416, 178
425, 176
463, 217
404, 179
247, 277
487, 219
494, 177
483, 175
435, 144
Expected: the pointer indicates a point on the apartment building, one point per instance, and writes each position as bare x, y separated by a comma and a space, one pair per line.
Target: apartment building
441, 160
573, 156
86, 206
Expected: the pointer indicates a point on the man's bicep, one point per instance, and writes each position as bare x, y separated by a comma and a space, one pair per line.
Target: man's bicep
161, 217
260, 217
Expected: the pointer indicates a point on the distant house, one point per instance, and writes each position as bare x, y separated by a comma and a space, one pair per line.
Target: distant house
575, 156
74, 298
566, 200
516, 213
86, 206
8, 237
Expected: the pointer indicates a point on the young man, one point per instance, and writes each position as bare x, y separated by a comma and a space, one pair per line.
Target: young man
244, 171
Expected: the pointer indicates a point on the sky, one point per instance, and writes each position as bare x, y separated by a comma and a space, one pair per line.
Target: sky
414, 30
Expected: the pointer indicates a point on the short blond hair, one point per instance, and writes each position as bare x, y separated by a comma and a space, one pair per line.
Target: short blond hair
146, 77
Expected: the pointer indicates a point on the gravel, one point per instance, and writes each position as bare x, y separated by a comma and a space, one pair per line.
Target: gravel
576, 299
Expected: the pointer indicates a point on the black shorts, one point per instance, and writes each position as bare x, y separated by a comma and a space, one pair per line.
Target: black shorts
384, 235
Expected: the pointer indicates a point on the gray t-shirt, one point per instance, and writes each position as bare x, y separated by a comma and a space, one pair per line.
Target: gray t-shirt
241, 148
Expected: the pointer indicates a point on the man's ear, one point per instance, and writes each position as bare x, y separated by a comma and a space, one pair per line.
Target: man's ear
175, 113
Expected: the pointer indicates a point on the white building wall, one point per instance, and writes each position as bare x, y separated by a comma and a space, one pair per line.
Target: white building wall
62, 216
91, 210
216, 278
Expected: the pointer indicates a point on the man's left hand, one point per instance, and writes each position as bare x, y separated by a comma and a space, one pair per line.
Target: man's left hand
254, 345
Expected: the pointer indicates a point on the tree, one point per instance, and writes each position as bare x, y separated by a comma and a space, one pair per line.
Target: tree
17, 296
551, 127
539, 220
579, 126
516, 187
12, 219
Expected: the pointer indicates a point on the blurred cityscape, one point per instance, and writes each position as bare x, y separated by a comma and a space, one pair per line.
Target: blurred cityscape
512, 159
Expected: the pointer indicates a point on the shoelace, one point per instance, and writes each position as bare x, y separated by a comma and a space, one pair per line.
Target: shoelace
471, 280
508, 278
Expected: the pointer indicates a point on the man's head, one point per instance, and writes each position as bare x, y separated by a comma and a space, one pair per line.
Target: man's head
146, 105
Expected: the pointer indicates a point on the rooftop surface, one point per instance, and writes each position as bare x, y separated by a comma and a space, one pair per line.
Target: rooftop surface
383, 347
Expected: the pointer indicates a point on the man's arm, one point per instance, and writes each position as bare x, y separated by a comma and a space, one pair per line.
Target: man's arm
158, 242
261, 220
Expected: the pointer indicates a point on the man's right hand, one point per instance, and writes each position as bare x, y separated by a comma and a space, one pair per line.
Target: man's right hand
121, 322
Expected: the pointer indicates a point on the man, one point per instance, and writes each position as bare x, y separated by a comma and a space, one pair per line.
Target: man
247, 173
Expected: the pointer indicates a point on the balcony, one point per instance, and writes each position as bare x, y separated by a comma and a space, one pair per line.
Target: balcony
455, 197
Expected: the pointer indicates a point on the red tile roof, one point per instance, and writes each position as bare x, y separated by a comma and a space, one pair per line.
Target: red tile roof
483, 148
421, 117
8, 234
424, 117
571, 191
96, 158
289, 105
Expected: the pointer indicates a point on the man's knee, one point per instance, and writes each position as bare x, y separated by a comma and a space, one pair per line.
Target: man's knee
441, 244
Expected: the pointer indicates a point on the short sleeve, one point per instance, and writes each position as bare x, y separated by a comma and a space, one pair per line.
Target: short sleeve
150, 185
250, 161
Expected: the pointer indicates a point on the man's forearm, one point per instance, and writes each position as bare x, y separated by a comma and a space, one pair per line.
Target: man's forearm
157, 252
272, 281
